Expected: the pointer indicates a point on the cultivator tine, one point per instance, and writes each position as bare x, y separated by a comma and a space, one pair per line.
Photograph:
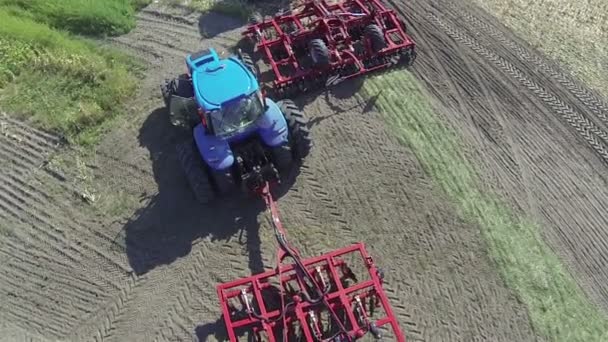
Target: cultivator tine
345, 304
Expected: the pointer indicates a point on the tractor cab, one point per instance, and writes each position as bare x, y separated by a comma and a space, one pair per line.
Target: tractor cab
222, 94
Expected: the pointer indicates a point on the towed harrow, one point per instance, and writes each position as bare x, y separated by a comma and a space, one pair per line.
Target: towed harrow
322, 43
316, 299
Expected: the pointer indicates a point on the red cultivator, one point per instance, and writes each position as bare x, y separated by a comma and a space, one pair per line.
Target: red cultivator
322, 43
293, 302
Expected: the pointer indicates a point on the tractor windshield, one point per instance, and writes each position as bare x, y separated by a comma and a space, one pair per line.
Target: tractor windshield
237, 115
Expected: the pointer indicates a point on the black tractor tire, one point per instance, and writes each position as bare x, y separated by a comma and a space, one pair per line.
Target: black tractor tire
223, 182
196, 171
248, 61
407, 59
300, 139
318, 52
180, 86
376, 37
283, 157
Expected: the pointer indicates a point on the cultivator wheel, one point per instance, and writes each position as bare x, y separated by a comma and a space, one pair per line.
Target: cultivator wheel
196, 171
301, 142
376, 37
319, 52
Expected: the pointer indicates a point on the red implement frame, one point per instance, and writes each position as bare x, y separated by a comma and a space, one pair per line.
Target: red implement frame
319, 285
282, 41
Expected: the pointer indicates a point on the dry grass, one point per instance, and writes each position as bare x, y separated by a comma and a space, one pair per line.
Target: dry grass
575, 33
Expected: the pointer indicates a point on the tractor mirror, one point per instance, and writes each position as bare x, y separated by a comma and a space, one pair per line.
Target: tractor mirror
183, 112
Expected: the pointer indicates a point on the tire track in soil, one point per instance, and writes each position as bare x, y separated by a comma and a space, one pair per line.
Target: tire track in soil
47, 254
592, 101
586, 127
545, 176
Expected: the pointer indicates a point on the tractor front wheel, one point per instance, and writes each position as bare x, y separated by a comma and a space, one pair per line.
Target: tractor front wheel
196, 172
300, 139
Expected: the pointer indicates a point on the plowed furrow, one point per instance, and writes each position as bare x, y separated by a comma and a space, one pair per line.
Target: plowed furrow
588, 131
167, 17
71, 250
164, 44
21, 318
150, 47
100, 324
19, 162
42, 312
156, 56
167, 29
41, 275
25, 146
79, 304
22, 201
15, 206
590, 100
43, 139
24, 189
23, 252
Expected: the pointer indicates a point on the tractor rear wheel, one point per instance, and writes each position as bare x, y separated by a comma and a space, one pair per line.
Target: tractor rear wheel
374, 33
196, 171
318, 52
300, 139
223, 181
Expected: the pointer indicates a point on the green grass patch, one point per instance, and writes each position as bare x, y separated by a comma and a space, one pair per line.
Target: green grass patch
87, 17
574, 33
557, 308
66, 85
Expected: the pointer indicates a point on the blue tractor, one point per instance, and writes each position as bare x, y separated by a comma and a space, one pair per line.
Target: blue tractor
241, 138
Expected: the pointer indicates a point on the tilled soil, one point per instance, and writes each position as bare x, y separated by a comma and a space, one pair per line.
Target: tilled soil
71, 273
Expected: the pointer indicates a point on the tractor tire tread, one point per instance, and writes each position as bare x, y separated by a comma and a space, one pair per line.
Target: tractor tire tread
224, 182
196, 172
183, 86
298, 128
283, 157
248, 61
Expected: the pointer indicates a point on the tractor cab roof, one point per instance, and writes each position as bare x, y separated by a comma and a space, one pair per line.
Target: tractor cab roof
216, 80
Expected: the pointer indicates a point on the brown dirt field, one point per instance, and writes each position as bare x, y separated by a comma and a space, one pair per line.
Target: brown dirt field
73, 272
539, 137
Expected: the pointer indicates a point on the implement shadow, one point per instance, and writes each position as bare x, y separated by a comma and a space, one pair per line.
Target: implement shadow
166, 228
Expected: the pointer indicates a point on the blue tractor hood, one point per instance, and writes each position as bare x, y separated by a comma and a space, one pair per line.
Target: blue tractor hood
216, 80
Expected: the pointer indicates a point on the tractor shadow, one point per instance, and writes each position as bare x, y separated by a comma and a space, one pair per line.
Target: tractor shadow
167, 227
229, 15
216, 22
337, 99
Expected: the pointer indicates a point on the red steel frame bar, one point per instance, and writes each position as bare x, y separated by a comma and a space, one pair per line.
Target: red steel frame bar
325, 15
340, 298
